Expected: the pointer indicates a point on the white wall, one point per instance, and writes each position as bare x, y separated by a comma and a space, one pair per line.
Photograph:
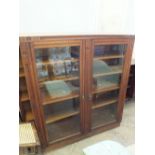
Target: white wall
53, 17
116, 16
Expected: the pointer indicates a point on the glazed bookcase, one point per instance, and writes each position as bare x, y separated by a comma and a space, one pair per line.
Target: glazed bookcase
76, 84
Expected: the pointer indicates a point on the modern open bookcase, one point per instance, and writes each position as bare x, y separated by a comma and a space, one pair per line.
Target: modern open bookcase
76, 84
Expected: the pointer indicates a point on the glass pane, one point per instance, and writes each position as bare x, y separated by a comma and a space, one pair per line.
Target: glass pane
106, 73
61, 110
107, 69
22, 84
61, 117
102, 99
64, 128
57, 63
58, 78
109, 50
104, 115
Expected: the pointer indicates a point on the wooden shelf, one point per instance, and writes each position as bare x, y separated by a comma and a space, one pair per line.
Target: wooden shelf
115, 70
20, 63
47, 62
64, 78
21, 71
109, 73
21, 74
51, 100
102, 103
108, 57
103, 116
114, 87
24, 97
20, 66
29, 116
57, 117
66, 128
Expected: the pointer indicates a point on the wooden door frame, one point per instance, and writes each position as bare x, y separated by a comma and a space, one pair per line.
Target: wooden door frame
88, 85
25, 48
125, 78
32, 80
90, 44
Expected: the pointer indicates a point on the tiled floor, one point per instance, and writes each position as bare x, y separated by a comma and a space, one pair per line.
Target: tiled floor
124, 134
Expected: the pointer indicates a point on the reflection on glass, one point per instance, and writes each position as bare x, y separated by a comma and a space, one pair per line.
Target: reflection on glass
58, 61
100, 66
107, 65
107, 69
58, 88
106, 73
62, 119
68, 108
100, 98
107, 81
107, 50
104, 115
63, 128
58, 78
58, 70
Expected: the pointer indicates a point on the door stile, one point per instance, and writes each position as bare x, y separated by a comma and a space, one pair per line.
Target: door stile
30, 80
88, 84
124, 79
82, 96
38, 101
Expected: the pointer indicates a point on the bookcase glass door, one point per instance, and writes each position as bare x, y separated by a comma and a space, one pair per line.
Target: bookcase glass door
58, 72
107, 66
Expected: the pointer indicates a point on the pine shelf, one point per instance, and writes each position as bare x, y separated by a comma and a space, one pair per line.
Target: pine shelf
24, 97
29, 116
101, 90
47, 62
108, 57
51, 100
58, 117
104, 103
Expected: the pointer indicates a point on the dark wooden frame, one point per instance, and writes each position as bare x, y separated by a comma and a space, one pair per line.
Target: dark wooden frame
131, 83
27, 45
